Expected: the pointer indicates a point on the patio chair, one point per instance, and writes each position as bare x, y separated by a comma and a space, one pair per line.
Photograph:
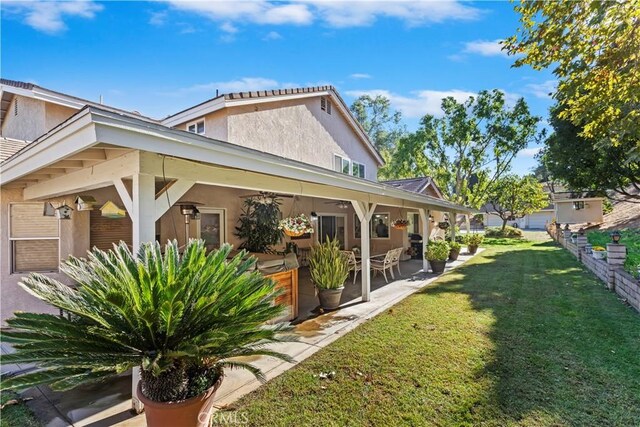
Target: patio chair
395, 261
384, 264
354, 264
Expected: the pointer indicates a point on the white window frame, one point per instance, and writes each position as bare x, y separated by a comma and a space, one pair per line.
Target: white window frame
195, 123
14, 239
372, 224
223, 221
364, 169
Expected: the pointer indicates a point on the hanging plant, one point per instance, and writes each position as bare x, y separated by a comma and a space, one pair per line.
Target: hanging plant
444, 225
296, 226
400, 223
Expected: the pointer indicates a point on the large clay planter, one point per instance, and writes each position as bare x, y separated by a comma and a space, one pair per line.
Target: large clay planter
330, 298
453, 255
472, 249
193, 412
437, 266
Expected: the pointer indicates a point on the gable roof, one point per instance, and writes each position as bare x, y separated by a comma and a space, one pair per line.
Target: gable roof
10, 88
416, 185
254, 97
10, 146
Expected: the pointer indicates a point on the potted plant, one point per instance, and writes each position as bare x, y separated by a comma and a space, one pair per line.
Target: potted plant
473, 241
400, 224
296, 226
444, 225
258, 223
329, 270
598, 252
181, 319
454, 250
437, 254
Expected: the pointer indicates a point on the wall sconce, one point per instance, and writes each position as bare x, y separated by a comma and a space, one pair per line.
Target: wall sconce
581, 231
615, 237
313, 216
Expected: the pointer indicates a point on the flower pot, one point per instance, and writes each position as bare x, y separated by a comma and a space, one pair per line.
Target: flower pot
293, 233
193, 412
598, 254
437, 266
453, 255
472, 249
330, 298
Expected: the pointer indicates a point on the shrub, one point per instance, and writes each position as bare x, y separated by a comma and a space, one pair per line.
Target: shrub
181, 318
455, 246
509, 232
437, 250
474, 239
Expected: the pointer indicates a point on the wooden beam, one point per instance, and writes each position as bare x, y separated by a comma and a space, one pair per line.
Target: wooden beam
90, 154
124, 195
100, 175
171, 194
67, 164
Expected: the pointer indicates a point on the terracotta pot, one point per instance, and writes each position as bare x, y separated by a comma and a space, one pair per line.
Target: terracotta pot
472, 249
437, 266
453, 255
193, 412
330, 298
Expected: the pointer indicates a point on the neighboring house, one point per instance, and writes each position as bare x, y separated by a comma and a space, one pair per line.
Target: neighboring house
299, 142
565, 207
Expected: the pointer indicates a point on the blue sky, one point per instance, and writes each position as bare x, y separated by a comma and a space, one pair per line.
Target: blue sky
160, 57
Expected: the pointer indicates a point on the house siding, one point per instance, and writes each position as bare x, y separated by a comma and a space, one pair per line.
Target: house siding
30, 121
592, 213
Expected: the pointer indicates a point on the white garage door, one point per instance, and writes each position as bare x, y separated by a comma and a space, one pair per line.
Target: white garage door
539, 219
492, 221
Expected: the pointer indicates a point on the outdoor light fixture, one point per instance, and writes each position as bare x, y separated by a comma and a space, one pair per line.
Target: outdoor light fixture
615, 237
581, 231
314, 216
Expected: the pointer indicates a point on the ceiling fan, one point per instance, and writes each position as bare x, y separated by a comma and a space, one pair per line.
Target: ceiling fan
342, 204
265, 194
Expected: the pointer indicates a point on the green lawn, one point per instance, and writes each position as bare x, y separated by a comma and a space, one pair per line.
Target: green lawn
16, 415
518, 336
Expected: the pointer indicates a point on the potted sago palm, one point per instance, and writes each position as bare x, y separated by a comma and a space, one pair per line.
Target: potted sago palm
182, 319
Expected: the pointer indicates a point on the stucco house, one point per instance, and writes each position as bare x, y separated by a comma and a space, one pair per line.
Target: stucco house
565, 207
303, 144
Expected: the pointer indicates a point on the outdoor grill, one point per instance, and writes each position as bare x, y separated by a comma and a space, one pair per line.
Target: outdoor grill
416, 243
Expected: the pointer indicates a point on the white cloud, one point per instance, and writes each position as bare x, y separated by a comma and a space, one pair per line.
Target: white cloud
334, 13
229, 28
360, 76
272, 35
49, 17
426, 101
529, 152
158, 19
422, 102
244, 84
542, 90
485, 48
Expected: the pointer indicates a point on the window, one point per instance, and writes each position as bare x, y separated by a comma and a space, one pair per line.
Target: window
325, 104
328, 107
34, 239
578, 205
212, 227
357, 169
379, 225
196, 127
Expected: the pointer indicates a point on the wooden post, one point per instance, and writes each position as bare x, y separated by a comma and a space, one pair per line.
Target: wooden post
452, 220
424, 222
144, 230
364, 210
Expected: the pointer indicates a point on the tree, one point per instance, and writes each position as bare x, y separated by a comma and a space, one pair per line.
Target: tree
587, 166
469, 148
513, 197
594, 47
383, 125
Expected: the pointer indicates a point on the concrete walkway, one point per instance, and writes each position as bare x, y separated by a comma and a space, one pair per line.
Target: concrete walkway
108, 404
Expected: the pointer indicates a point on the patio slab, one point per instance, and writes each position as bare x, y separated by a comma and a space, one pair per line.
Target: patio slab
108, 404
